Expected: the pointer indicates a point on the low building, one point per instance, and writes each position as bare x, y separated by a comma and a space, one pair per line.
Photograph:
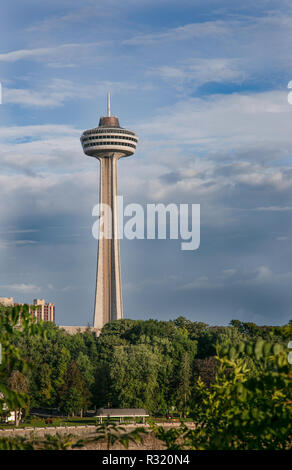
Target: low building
9, 416
121, 413
7, 301
73, 330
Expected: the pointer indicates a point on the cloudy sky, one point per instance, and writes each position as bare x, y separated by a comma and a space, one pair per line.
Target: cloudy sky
204, 85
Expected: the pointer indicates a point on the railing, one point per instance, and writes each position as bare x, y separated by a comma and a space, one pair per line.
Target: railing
115, 130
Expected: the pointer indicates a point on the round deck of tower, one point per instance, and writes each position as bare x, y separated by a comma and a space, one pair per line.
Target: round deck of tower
107, 138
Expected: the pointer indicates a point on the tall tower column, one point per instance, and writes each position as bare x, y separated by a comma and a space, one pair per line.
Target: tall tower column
108, 143
108, 296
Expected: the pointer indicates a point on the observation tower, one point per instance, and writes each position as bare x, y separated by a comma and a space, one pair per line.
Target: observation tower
108, 143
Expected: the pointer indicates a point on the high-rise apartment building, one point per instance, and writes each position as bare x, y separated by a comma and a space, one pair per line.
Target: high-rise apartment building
43, 311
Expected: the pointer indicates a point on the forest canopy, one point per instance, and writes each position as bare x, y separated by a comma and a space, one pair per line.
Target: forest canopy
133, 363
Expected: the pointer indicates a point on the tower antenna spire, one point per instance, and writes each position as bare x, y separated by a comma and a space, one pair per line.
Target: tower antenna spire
108, 104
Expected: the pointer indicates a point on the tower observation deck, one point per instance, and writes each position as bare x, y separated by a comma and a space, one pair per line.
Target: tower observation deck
108, 143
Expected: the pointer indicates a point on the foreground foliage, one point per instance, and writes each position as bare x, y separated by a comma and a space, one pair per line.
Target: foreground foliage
15, 323
235, 382
107, 433
239, 411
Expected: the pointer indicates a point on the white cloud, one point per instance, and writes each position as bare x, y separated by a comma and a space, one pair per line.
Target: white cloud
240, 27
264, 275
198, 151
197, 71
70, 18
260, 276
66, 52
19, 231
202, 282
225, 122
273, 209
57, 91
181, 33
38, 131
228, 273
22, 287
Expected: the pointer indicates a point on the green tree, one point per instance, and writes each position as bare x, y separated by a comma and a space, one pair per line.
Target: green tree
86, 368
46, 392
19, 383
184, 384
134, 372
74, 394
206, 369
239, 411
15, 323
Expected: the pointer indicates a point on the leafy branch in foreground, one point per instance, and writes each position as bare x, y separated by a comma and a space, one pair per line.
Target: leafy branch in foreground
171, 437
58, 442
14, 323
16, 443
239, 411
111, 434
107, 432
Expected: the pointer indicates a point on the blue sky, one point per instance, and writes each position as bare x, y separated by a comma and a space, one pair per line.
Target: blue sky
204, 85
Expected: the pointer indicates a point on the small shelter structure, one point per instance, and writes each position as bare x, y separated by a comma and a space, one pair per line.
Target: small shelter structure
121, 413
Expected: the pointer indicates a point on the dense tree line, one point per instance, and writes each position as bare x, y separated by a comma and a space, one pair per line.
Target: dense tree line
152, 364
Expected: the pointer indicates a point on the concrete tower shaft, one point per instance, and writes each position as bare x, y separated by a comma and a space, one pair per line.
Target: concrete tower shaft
108, 143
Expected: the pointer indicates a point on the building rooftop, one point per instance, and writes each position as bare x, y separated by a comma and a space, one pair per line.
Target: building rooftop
73, 330
121, 412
